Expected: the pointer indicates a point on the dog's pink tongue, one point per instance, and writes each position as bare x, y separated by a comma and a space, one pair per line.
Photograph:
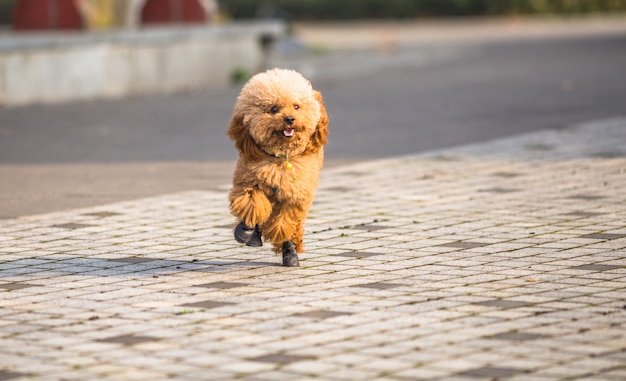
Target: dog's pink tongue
288, 132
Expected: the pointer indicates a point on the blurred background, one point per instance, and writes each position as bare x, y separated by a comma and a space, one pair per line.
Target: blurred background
105, 100
98, 14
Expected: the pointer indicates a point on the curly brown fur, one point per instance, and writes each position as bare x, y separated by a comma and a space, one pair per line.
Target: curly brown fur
279, 159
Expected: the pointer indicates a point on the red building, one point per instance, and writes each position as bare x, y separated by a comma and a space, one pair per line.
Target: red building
64, 14
173, 11
42, 15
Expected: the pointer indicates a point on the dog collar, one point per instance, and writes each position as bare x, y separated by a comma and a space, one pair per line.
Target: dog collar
285, 157
288, 164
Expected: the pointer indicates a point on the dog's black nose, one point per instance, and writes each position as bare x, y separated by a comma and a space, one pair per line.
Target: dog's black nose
289, 120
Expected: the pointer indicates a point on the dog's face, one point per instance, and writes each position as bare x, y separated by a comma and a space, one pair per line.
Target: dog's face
278, 113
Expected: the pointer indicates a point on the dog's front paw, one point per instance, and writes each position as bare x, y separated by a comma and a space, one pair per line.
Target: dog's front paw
255, 240
248, 235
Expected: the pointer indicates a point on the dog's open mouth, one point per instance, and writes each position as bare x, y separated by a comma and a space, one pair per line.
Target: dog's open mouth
288, 132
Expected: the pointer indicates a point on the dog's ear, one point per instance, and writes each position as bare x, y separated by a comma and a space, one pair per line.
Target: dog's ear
238, 132
319, 137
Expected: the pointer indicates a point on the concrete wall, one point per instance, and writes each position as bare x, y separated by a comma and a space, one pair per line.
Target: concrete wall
68, 67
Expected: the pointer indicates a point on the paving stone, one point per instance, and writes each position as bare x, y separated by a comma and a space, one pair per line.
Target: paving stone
281, 358
321, 314
8, 375
491, 372
518, 336
132, 260
72, 225
597, 267
488, 261
603, 236
16, 286
357, 254
102, 214
207, 304
127, 339
580, 213
499, 190
464, 245
379, 285
222, 285
502, 303
586, 197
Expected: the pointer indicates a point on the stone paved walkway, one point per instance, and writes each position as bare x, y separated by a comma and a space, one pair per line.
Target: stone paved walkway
503, 260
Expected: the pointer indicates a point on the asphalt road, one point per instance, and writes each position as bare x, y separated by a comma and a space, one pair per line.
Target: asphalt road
381, 104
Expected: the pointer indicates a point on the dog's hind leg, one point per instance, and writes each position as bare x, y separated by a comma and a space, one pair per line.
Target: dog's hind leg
290, 258
285, 230
298, 238
281, 226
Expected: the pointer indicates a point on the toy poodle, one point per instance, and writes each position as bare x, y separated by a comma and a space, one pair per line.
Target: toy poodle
279, 126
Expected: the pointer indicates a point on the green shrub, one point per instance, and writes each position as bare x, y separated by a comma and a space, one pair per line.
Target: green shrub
239, 75
403, 9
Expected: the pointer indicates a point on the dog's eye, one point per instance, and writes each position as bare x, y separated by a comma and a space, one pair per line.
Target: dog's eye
274, 110
296, 107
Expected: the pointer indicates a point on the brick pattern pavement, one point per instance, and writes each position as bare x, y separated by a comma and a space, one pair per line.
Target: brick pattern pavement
501, 260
